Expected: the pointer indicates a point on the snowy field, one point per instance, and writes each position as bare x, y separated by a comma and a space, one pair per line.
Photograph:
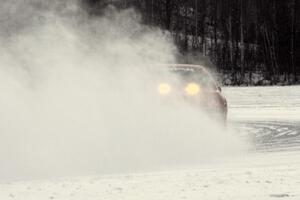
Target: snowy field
269, 116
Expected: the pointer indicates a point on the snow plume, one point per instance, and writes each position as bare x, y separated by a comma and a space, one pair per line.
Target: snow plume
77, 97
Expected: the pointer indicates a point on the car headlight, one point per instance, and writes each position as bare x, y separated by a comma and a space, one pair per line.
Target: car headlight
164, 88
192, 89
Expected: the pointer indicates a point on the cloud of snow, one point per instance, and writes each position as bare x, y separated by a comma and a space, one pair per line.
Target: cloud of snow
78, 98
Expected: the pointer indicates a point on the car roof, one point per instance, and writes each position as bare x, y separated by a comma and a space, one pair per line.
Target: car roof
188, 67
183, 66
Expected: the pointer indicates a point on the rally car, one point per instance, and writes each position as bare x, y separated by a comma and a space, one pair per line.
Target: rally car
196, 86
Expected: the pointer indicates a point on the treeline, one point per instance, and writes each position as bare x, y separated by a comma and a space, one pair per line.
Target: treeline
241, 37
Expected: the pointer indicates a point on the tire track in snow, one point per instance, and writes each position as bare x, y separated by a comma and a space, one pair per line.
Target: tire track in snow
272, 135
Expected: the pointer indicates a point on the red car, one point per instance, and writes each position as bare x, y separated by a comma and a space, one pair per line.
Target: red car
195, 85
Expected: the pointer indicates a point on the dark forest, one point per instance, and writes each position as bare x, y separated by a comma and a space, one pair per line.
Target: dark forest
241, 38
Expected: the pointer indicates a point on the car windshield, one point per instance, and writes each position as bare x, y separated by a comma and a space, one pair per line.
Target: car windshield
199, 76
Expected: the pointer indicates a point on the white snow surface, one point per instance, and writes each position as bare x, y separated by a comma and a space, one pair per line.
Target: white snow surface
261, 103
270, 115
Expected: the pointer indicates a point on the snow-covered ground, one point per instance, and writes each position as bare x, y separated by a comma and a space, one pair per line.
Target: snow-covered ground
270, 116
264, 103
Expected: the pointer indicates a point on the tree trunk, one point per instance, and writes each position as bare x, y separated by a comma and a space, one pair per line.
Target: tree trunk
203, 35
215, 23
230, 37
196, 25
293, 39
242, 39
168, 14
